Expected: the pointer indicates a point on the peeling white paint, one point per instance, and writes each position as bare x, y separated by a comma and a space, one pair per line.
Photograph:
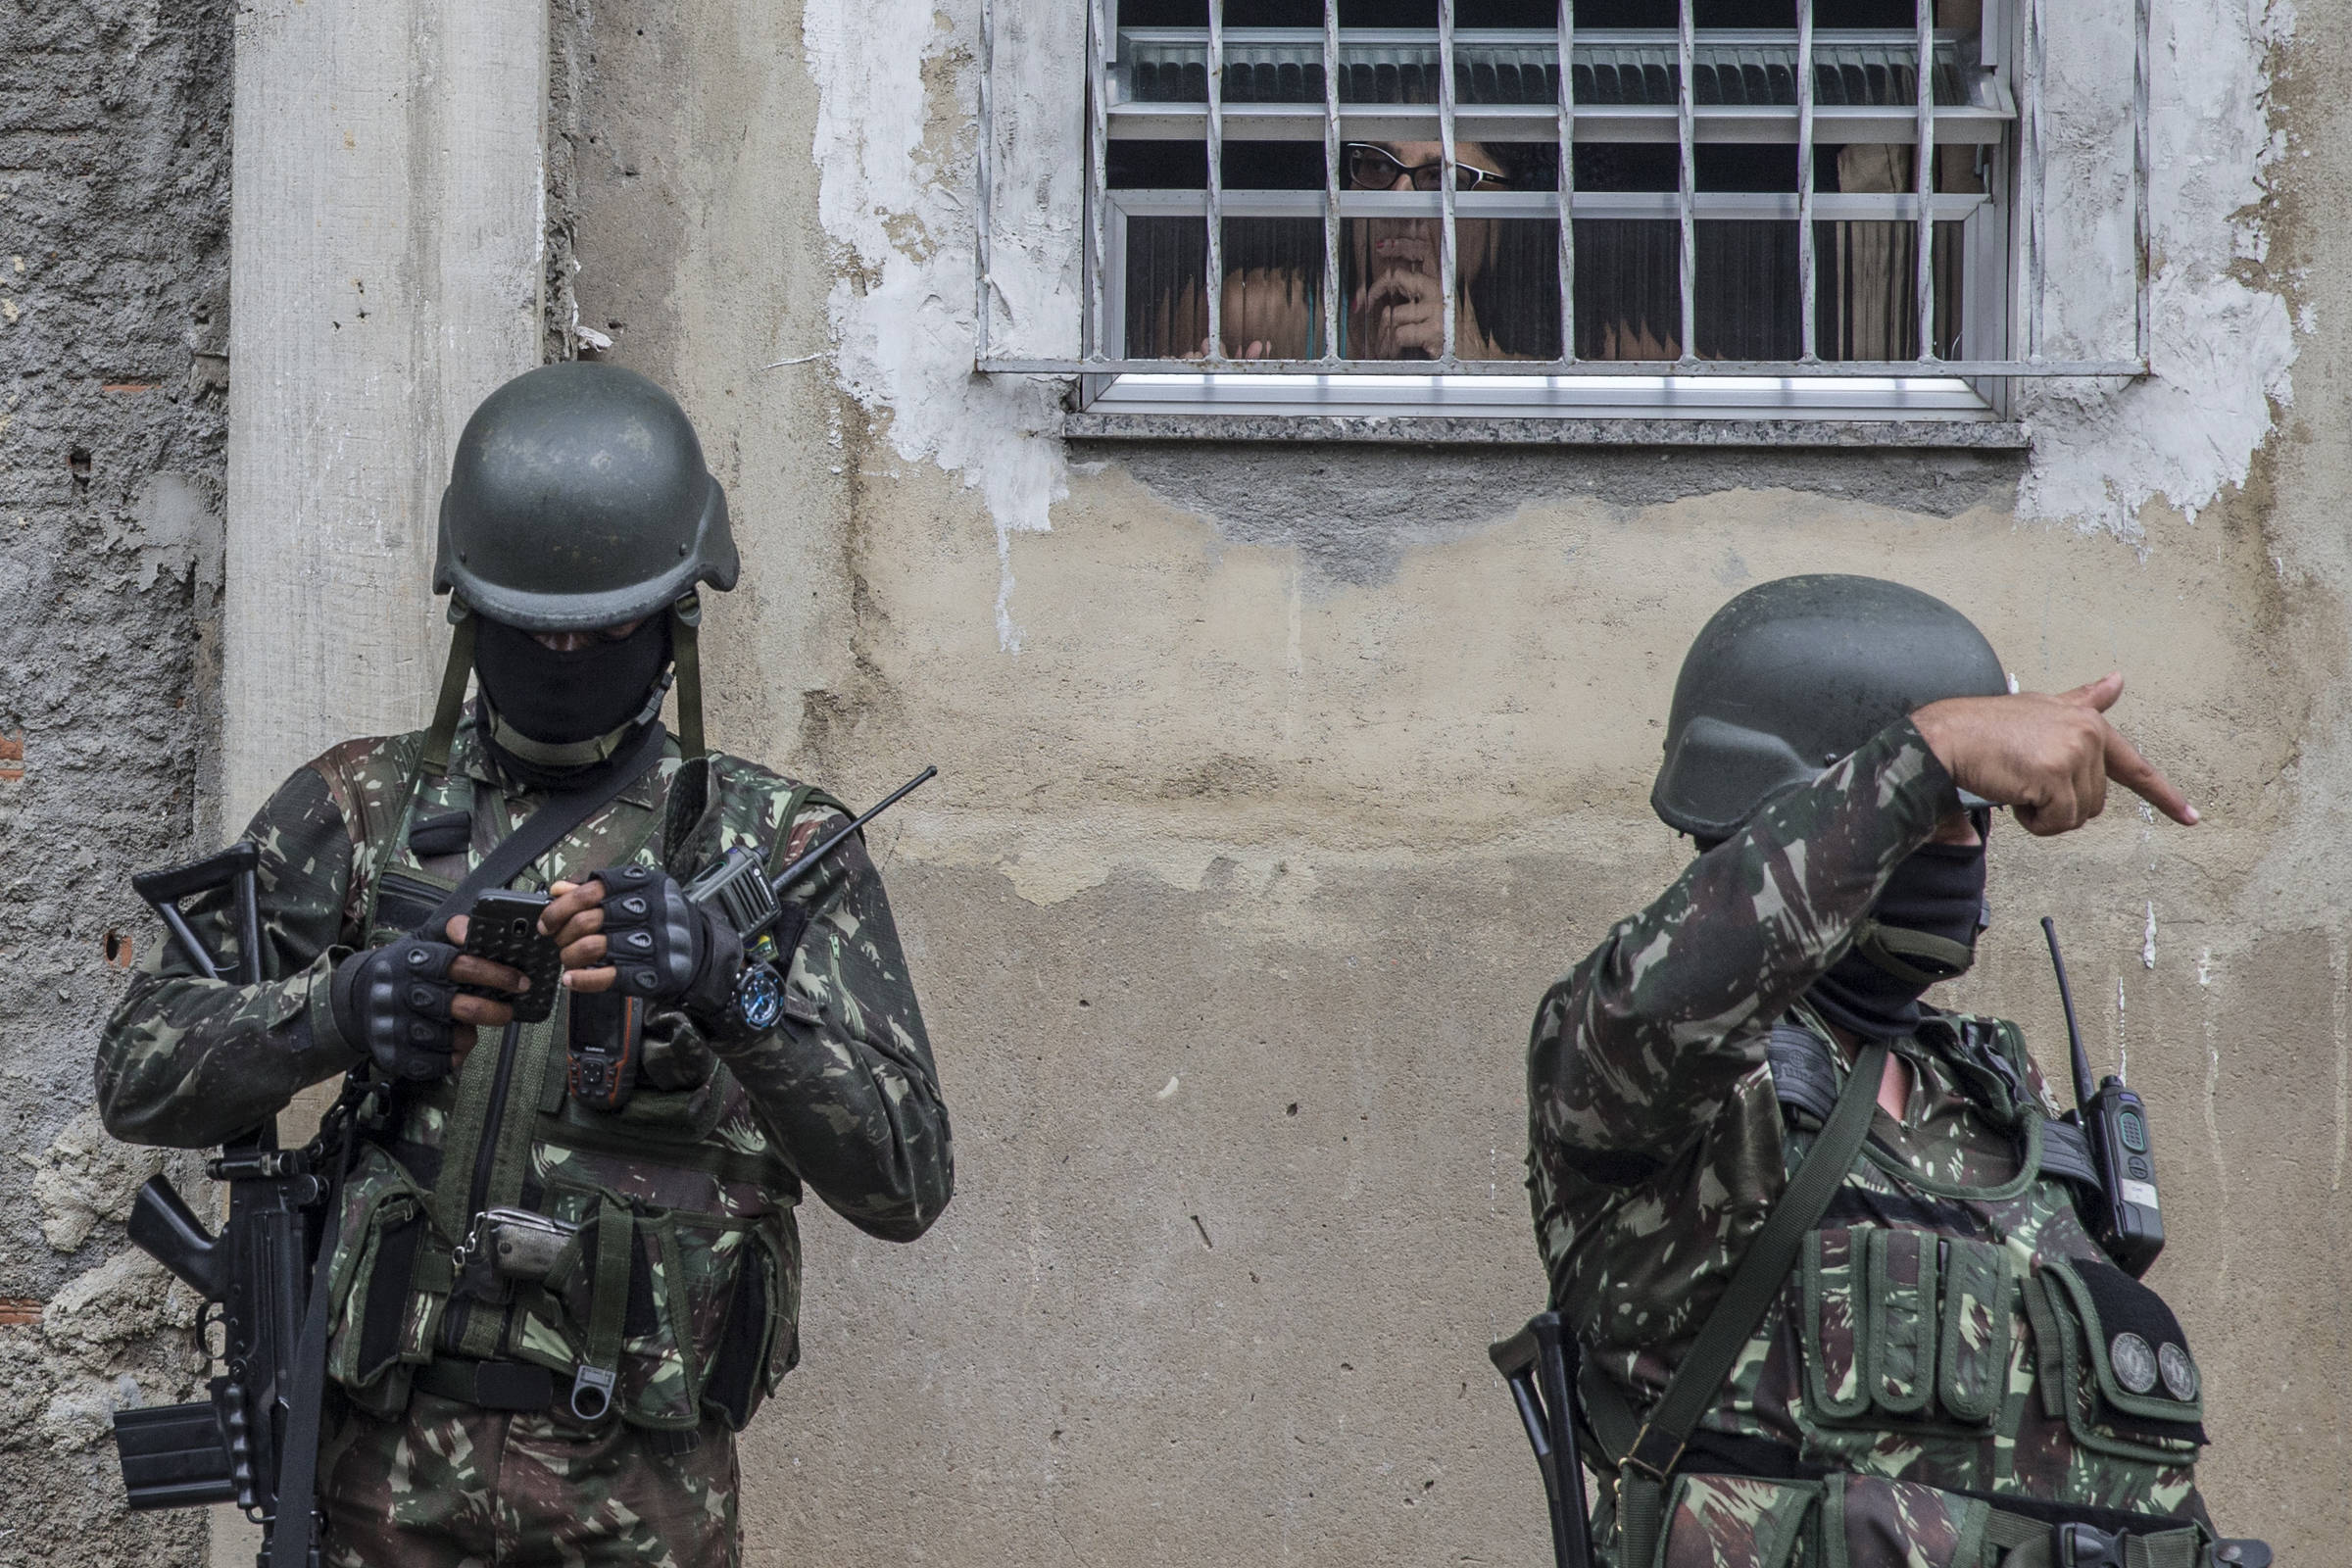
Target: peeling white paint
2147, 944
896, 202
2221, 349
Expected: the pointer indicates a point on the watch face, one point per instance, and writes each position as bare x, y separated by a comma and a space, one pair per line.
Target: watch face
760, 997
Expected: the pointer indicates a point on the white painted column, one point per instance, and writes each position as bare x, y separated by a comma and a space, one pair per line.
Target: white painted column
386, 201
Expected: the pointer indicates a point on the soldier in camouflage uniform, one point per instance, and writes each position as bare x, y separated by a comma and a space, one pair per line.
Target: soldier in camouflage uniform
581, 1411
1946, 1378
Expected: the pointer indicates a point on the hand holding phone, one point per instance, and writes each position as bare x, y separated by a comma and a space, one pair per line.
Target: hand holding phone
503, 928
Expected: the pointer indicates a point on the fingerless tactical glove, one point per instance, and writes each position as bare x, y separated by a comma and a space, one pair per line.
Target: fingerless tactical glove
665, 947
394, 1000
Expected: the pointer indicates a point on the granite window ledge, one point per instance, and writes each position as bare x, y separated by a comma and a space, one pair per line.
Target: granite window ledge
1404, 429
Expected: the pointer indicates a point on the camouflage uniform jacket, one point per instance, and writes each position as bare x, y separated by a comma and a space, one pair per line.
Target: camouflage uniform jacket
1940, 1336
704, 1162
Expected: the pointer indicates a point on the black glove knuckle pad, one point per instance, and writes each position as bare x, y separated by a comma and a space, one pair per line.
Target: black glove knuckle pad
653, 933
395, 1001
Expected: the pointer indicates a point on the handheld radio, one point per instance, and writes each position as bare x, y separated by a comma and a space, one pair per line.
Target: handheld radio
2129, 1225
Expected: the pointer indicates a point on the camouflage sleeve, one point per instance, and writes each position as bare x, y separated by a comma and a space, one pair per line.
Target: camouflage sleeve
186, 1061
1635, 1049
846, 1083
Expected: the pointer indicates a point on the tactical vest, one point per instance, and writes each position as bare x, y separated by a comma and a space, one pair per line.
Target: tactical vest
672, 1276
1971, 1340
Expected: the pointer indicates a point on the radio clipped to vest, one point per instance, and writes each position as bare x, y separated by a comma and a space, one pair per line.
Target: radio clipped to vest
2128, 1222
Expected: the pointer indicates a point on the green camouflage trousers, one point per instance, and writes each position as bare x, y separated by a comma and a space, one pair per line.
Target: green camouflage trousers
452, 1486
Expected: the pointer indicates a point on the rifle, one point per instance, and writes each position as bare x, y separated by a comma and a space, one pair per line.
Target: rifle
255, 1274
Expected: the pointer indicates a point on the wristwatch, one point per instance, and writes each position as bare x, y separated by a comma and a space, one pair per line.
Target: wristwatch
759, 997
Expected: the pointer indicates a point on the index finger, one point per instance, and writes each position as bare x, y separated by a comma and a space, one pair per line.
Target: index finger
569, 899
2142, 779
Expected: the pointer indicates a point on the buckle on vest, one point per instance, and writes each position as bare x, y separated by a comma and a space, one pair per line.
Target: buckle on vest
1650, 1456
592, 1395
2087, 1547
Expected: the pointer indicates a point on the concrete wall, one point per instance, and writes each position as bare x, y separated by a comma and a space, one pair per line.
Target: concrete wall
1279, 781
114, 318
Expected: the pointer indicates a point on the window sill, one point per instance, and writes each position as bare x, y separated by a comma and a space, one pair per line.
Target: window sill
1547, 411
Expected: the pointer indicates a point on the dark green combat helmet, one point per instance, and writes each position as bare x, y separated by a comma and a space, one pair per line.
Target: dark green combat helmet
578, 499
1794, 674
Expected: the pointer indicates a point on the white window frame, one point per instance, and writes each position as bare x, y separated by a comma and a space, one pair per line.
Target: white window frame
2002, 236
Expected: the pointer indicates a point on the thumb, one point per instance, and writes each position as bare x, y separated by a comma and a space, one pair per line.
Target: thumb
2100, 695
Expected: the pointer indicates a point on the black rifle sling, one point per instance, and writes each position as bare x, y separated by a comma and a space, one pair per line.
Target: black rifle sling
543, 830
1646, 1464
291, 1543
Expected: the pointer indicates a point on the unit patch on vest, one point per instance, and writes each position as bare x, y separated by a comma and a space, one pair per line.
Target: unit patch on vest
2134, 1363
2180, 1372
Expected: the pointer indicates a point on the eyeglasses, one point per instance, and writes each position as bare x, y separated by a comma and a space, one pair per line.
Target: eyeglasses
1371, 167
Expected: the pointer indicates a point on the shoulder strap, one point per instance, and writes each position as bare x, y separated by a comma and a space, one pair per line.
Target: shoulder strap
545, 828
1649, 1460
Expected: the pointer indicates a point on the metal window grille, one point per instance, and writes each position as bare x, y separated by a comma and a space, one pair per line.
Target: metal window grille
1165, 254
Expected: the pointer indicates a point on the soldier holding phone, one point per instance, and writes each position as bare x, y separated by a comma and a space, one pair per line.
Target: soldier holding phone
565, 1270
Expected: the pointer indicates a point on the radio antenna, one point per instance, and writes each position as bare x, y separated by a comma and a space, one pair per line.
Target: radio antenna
2074, 1031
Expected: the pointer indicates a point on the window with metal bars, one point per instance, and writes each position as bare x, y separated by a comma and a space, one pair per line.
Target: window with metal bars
1592, 205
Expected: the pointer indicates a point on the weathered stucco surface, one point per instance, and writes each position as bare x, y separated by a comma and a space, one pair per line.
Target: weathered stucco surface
114, 315
1279, 781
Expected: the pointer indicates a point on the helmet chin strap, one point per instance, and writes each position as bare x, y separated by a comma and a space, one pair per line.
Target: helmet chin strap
686, 658
454, 675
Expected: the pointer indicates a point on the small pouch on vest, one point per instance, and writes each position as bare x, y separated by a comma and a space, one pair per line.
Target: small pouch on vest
370, 1285
1899, 1343
402, 900
1972, 1341
1721, 1521
736, 1375
2127, 1382
1835, 1272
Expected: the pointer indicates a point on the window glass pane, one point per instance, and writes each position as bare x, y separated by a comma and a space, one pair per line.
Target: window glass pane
1138, 164
1160, 13
1629, 291
1509, 288
1627, 13
1507, 14
1388, 13
1624, 166
1166, 315
1867, 290
1875, 14
1747, 301
1272, 14
1743, 166
1273, 303
1741, 14
1392, 291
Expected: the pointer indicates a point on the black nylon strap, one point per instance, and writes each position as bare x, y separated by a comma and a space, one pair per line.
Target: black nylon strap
543, 830
1644, 1467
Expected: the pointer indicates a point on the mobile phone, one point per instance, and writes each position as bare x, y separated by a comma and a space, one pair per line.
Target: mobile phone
504, 927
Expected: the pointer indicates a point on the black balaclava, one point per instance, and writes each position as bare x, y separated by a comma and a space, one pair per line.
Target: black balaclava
1938, 892
550, 715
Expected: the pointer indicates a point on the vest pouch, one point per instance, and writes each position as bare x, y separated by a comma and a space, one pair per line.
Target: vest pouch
1717, 1521
1972, 1341
1869, 1520
2113, 1362
1898, 1344
1836, 1323
403, 899
380, 1323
